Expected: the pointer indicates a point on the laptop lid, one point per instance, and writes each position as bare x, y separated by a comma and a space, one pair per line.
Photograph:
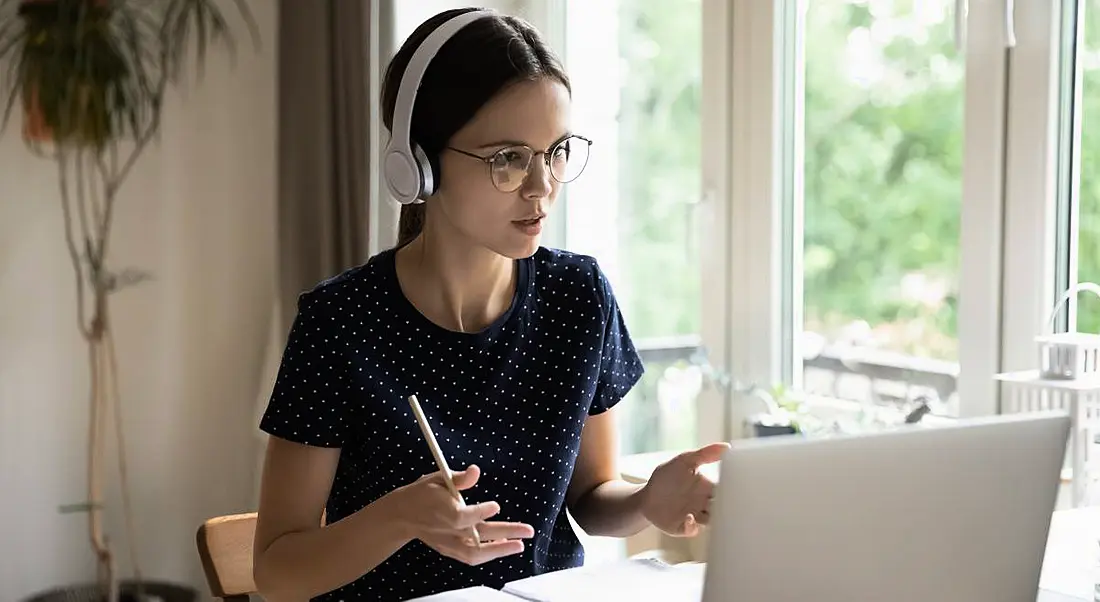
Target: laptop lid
955, 513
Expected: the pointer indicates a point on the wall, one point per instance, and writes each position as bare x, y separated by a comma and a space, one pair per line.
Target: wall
198, 212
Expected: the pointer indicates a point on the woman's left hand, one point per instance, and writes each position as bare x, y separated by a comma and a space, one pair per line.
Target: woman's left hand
677, 498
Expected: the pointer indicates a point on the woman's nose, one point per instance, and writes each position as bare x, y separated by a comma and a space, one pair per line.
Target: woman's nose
538, 183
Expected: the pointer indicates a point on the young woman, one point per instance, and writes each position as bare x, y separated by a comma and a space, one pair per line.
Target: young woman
517, 354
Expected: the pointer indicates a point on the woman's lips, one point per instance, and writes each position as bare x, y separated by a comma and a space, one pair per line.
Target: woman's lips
530, 227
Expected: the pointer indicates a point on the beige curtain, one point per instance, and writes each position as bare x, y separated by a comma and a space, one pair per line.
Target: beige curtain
324, 141
324, 134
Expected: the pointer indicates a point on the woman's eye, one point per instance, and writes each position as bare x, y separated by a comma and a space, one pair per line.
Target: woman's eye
506, 159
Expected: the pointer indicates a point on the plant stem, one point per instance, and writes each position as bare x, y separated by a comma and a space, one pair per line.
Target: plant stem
123, 474
70, 239
95, 457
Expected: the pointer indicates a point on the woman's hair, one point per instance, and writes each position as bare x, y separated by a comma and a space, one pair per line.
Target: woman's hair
473, 66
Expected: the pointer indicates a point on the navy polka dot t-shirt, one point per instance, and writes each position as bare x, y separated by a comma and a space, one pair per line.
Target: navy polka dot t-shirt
511, 399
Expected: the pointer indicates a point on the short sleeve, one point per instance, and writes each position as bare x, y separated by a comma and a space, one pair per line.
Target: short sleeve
620, 365
309, 402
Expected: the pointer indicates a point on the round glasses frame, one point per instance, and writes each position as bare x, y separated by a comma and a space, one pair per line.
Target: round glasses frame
532, 153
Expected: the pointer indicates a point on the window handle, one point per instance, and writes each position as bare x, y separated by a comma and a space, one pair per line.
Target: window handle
1010, 23
962, 7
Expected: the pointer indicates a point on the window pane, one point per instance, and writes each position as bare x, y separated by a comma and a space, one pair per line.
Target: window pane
883, 163
1087, 214
636, 71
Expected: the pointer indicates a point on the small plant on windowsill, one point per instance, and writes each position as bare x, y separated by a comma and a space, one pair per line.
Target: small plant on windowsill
784, 411
789, 416
90, 78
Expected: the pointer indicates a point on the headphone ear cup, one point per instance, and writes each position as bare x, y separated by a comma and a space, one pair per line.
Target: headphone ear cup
435, 174
429, 172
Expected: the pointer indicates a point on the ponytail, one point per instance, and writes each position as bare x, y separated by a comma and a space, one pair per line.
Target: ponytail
410, 224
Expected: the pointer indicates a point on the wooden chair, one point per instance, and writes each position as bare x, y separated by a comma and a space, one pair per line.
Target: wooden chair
225, 548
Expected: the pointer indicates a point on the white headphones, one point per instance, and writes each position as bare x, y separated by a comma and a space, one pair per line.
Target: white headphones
406, 168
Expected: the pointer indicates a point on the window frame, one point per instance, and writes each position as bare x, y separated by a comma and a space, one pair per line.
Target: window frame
981, 269
1032, 180
743, 106
1010, 164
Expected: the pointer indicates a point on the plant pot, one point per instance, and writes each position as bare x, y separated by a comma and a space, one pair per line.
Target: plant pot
70, 72
773, 430
154, 591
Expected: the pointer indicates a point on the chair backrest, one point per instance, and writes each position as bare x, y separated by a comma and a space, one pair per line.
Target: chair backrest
225, 547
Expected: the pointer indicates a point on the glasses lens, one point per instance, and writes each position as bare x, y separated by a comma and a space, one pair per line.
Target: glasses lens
509, 167
568, 158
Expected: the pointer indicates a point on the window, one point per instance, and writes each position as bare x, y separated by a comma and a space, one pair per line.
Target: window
636, 72
883, 146
1080, 206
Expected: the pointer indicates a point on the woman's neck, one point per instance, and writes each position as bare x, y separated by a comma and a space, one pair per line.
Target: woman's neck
463, 288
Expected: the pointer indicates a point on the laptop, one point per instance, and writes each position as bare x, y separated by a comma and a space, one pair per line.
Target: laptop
954, 513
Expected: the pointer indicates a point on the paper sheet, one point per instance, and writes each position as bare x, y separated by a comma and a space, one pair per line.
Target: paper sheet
635, 580
469, 594
1073, 554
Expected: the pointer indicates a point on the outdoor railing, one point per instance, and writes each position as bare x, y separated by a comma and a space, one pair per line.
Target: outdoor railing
852, 373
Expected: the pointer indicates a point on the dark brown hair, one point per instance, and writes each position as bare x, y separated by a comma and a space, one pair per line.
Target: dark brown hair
472, 67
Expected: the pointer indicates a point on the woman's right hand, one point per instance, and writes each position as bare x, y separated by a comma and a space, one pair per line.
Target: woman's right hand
435, 517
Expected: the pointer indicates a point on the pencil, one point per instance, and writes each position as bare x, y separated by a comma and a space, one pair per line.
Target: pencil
440, 461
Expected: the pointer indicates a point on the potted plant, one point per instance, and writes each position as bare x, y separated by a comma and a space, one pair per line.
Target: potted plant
89, 78
784, 411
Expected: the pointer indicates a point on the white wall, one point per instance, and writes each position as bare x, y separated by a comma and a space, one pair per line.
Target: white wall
199, 212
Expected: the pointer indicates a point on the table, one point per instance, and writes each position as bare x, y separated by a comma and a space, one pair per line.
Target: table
1072, 549
1073, 544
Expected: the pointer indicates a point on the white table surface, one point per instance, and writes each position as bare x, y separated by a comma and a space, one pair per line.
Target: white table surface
1073, 545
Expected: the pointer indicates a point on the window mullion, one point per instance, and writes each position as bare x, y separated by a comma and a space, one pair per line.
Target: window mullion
1031, 181
982, 210
714, 422
744, 84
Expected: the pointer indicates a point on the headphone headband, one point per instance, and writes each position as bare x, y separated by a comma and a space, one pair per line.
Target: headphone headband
408, 172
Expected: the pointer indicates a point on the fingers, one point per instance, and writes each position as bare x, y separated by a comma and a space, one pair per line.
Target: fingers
490, 550
496, 530
465, 479
706, 454
690, 528
469, 516
702, 494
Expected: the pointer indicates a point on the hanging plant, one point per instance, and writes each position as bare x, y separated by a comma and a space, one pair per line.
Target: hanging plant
90, 78
59, 101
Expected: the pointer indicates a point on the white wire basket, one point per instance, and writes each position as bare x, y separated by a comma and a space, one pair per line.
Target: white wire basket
1069, 355
1067, 380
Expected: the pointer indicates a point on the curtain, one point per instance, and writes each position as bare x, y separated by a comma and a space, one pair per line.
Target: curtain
324, 133
324, 142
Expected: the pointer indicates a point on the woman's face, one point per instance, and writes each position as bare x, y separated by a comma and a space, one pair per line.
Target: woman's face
468, 203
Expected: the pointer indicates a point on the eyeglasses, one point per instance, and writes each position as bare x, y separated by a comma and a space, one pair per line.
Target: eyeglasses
509, 166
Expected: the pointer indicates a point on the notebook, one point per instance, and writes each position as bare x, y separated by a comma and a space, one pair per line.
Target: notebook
637, 580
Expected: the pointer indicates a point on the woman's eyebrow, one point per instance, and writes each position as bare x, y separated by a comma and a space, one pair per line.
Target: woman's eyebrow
502, 143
